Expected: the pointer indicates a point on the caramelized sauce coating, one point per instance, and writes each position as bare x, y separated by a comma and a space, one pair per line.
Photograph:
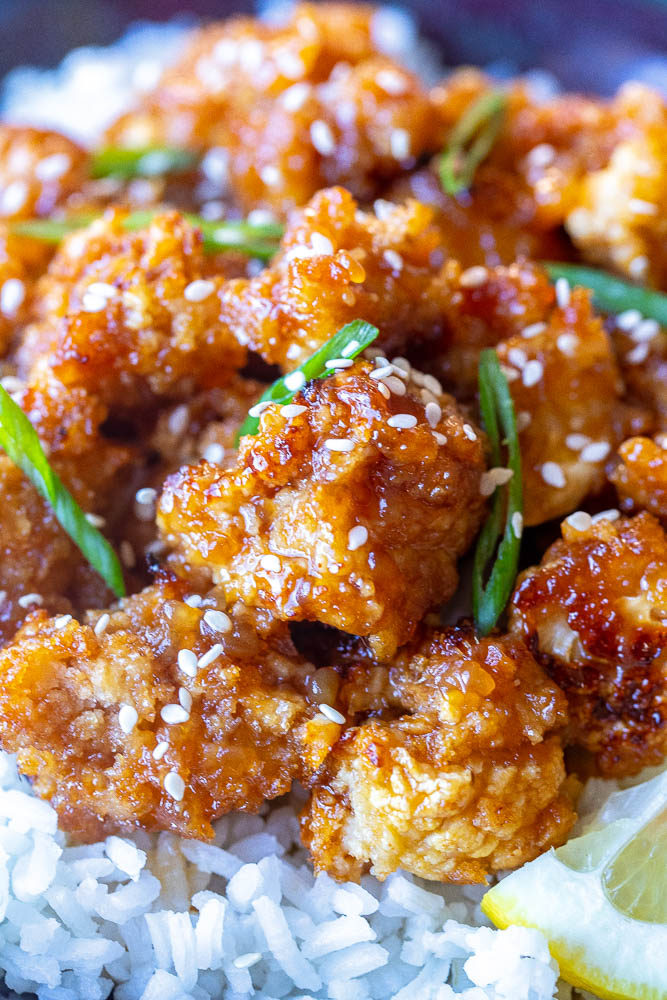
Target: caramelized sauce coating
640, 477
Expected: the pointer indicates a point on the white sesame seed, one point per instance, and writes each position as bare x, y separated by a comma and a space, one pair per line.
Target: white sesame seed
214, 453
393, 260
96, 520
523, 420
187, 662
332, 714
469, 432
473, 277
567, 344
626, 320
12, 384
494, 477
384, 389
127, 718
101, 624
402, 366
198, 290
606, 515
245, 961
433, 413
339, 363
562, 293
579, 520
339, 444
270, 175
52, 167
193, 601
185, 698
638, 266
596, 451
160, 750
638, 354
553, 475
540, 156
322, 138
394, 385
103, 289
431, 383
174, 715
127, 555
271, 563
517, 524
399, 143
293, 410
391, 82
258, 409
321, 244
440, 438
402, 421
532, 373
29, 599
510, 374
210, 656
646, 329
218, 621
640, 207
383, 209
577, 441
178, 419
13, 198
350, 348
357, 537
11, 296
533, 330
517, 357
174, 785
295, 381
92, 303
383, 370
295, 96
61, 621
146, 495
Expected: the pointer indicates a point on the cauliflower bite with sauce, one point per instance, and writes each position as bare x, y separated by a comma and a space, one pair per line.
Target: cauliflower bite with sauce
595, 614
159, 714
289, 108
39, 171
640, 477
456, 772
131, 316
350, 506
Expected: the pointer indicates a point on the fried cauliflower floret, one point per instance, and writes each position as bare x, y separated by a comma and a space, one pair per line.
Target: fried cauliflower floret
338, 264
120, 733
39, 170
640, 477
459, 773
131, 316
350, 510
594, 612
296, 107
642, 356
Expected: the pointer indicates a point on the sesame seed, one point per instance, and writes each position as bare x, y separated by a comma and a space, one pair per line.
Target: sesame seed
332, 714
174, 785
553, 475
29, 599
638, 266
517, 524
646, 329
146, 495
271, 563
393, 259
384, 390
11, 296
510, 374
178, 419
394, 385
357, 537
214, 453
174, 715
433, 413
533, 330
92, 303
641, 207
96, 520
270, 175
127, 718
350, 348
321, 244
62, 621
523, 420
402, 366
494, 477
638, 354
579, 520
127, 555
295, 96
103, 289
626, 320
399, 143
606, 515
193, 601
339, 363
52, 167
185, 698
473, 277
322, 138
541, 155
293, 410
431, 383
258, 409
13, 198
596, 451
517, 357
532, 373
295, 381
440, 438
3, 596
391, 82
187, 662
562, 293
469, 432
577, 441
402, 421
339, 444
245, 961
160, 750
218, 621
210, 656
198, 290
101, 624
567, 344
12, 384
383, 370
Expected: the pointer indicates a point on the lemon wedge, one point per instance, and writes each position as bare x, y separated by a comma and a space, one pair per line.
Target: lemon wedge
601, 899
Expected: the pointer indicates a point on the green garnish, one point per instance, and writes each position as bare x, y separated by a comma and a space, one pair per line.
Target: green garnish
253, 239
496, 405
471, 141
351, 340
611, 293
151, 161
19, 439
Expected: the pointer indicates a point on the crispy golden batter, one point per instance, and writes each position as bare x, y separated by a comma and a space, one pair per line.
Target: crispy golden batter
332, 514
39, 170
461, 772
595, 614
296, 107
643, 364
117, 317
66, 709
641, 476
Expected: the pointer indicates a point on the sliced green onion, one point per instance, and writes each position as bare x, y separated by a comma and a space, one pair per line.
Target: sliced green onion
350, 341
19, 439
255, 240
471, 141
611, 293
497, 407
151, 161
